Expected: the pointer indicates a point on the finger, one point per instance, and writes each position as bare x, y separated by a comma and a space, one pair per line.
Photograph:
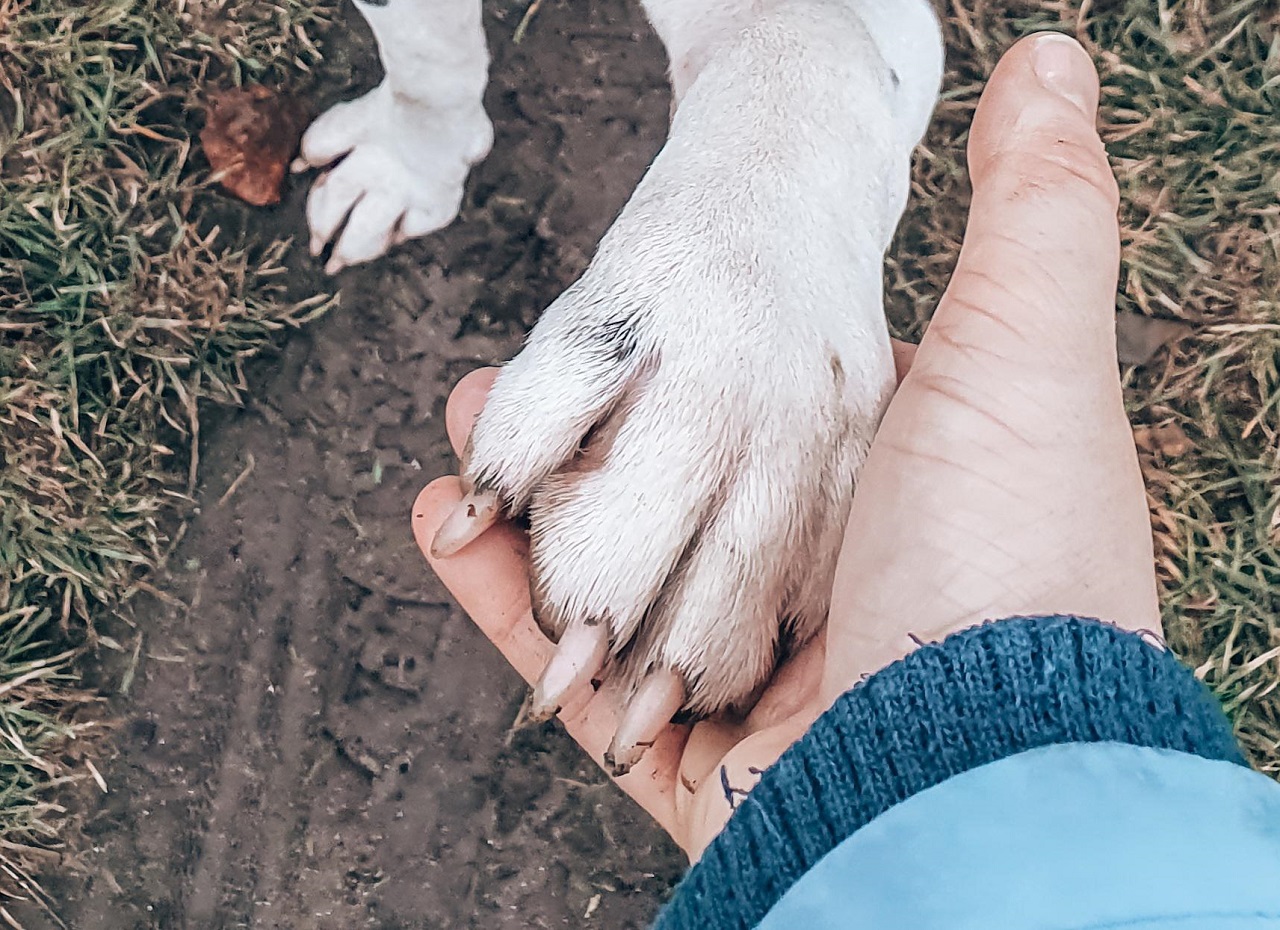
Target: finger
785, 711
904, 353
1042, 232
731, 778
709, 741
479, 509
1003, 478
465, 403
652, 781
490, 580
792, 691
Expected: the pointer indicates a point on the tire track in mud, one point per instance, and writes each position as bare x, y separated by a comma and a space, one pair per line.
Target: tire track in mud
273, 706
321, 742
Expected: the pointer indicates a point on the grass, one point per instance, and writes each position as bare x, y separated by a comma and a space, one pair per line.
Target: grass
1190, 96
121, 312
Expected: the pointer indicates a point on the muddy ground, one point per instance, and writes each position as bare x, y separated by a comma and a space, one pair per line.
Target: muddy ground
322, 739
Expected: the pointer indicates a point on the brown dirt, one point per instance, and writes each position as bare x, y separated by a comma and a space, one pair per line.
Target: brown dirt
321, 738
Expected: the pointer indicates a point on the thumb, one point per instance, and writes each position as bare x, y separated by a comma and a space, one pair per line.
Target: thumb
1042, 233
1003, 480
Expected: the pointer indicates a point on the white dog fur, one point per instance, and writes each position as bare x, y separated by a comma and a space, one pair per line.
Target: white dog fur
724, 357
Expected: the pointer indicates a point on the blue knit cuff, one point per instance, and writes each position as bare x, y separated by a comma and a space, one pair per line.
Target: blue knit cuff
980, 695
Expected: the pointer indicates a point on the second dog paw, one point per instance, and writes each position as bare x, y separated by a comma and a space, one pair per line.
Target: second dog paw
398, 174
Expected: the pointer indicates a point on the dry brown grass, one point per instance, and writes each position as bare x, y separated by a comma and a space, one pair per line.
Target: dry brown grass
121, 312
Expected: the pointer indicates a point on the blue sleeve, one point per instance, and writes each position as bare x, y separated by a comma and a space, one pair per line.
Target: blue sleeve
1073, 836
973, 705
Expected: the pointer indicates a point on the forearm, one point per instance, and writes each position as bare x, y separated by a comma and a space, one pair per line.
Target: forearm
982, 696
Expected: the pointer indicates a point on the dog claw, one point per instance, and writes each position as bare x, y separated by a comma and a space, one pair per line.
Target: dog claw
581, 653
658, 699
471, 516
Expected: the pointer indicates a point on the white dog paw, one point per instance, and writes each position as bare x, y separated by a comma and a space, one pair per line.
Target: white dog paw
683, 429
684, 425
399, 173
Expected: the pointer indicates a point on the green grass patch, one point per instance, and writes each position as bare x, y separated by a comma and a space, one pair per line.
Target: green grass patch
122, 310
1190, 97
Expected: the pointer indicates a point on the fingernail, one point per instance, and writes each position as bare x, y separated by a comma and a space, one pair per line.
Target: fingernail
1064, 68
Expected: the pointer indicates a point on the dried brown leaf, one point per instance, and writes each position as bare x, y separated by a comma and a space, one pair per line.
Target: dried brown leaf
1169, 440
1139, 338
250, 135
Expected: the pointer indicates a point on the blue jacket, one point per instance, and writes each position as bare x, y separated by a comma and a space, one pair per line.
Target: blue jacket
1048, 772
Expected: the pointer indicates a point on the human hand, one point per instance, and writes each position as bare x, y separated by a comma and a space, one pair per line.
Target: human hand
1003, 480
